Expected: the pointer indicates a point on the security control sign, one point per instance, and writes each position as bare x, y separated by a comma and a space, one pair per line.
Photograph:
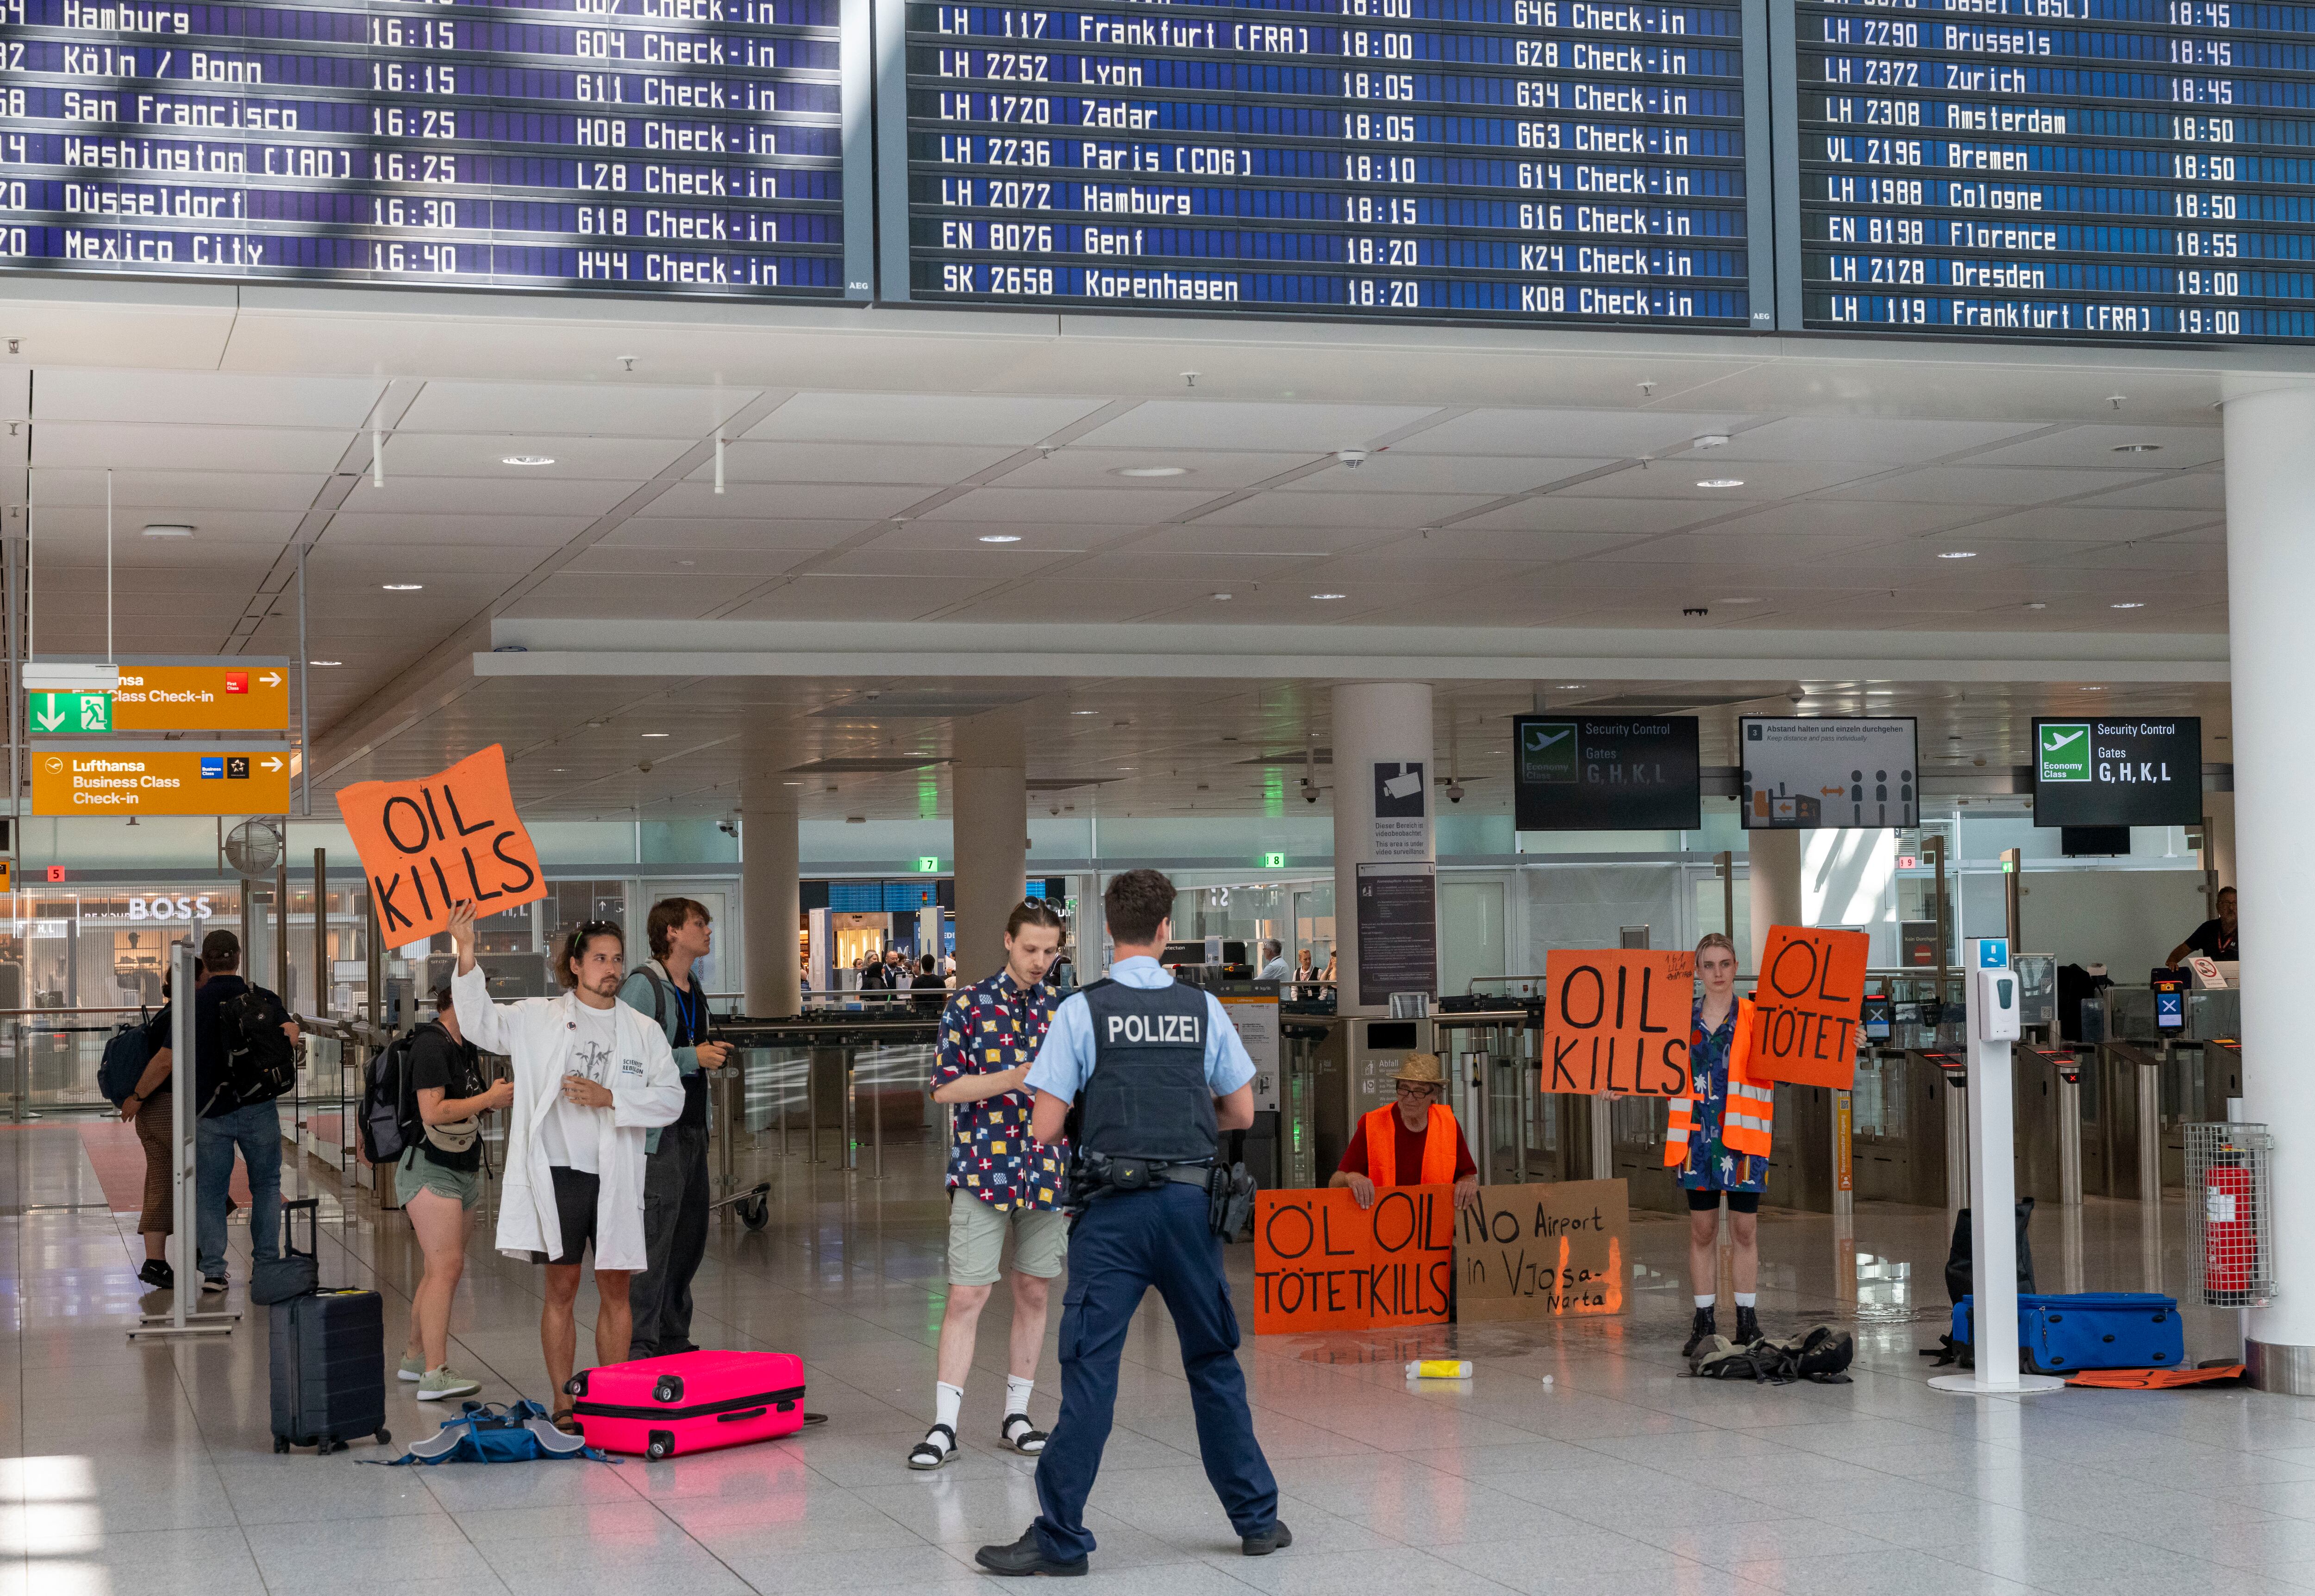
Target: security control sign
128, 780
1812, 774
2118, 772
1606, 774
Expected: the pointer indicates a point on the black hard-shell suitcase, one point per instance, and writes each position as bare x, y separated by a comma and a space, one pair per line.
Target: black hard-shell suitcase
329, 1359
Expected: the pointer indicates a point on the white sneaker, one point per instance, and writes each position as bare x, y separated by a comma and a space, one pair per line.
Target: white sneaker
445, 1382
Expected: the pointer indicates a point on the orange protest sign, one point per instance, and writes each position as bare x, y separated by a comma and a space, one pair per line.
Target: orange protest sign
452, 837
1615, 1022
1807, 1005
1322, 1263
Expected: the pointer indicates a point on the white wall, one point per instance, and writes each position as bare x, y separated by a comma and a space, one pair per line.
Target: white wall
2127, 919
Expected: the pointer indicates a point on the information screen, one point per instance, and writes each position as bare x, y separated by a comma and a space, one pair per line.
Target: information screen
668, 145
2118, 773
2110, 169
1606, 774
1806, 775
1573, 161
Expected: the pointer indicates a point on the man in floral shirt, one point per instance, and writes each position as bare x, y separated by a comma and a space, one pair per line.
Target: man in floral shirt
1000, 1178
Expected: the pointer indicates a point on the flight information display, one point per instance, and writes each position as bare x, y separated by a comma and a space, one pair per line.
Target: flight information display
665, 146
2109, 169
1572, 161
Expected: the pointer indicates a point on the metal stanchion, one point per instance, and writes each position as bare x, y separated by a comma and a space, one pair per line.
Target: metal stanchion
1603, 1147
2069, 1144
20, 1041
179, 1320
2149, 1134
811, 1106
1474, 1072
851, 1114
876, 1132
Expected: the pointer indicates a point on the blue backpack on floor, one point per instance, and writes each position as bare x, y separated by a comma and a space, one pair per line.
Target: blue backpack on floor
483, 1432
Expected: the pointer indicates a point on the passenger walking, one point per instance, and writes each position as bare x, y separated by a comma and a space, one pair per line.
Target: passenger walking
676, 1195
1002, 1182
1718, 1140
590, 1077
152, 1108
439, 1182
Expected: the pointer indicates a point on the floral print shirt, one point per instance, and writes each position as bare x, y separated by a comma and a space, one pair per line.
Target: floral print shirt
989, 1026
1711, 1167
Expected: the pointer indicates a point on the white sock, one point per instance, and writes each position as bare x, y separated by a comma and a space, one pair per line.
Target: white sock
946, 1400
1016, 1392
1746, 1298
1707, 1302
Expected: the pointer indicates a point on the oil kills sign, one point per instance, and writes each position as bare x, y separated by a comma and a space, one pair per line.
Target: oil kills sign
129, 781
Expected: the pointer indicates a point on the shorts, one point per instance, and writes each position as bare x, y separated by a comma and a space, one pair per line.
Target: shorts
976, 1240
576, 1196
415, 1173
1739, 1202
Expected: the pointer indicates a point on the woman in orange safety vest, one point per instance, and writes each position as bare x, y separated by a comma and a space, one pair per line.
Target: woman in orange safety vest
1414, 1141
1718, 1140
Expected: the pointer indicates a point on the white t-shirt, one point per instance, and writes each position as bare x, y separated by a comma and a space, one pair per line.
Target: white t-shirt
568, 1135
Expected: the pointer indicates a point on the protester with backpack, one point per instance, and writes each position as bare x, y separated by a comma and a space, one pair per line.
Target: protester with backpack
439, 1182
244, 1056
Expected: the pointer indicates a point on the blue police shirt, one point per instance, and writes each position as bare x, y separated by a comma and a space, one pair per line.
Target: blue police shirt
1067, 1057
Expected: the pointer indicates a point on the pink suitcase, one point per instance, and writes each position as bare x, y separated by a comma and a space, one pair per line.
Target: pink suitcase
691, 1402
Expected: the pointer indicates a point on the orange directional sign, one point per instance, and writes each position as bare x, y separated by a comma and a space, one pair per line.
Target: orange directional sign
127, 781
236, 695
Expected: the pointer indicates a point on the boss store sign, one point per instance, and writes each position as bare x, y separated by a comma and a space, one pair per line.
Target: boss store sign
2118, 772
161, 906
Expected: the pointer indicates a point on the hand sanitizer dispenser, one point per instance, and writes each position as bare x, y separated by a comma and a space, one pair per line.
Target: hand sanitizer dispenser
1993, 1015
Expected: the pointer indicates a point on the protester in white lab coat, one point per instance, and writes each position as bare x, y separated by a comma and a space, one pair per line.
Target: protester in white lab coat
591, 1077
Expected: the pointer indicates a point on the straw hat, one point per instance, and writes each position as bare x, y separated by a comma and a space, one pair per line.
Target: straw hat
1423, 1068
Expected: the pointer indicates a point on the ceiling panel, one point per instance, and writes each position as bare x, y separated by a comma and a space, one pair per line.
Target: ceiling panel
574, 595
1343, 510
530, 493
169, 493
1878, 440
505, 531
172, 397
1222, 538
84, 528
1226, 424
1395, 471
1093, 600
973, 566
686, 532
895, 596
482, 455
2103, 449
2084, 524
1986, 484
2202, 490
933, 464
97, 445
1099, 507
1210, 470
1467, 540
1754, 481
1850, 518
609, 407
754, 564
923, 418
1217, 571
1568, 512
1567, 433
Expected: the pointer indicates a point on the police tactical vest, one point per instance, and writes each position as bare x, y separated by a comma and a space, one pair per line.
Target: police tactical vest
1148, 1097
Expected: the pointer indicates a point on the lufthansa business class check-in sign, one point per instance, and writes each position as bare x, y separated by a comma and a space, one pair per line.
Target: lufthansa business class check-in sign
2118, 772
1620, 773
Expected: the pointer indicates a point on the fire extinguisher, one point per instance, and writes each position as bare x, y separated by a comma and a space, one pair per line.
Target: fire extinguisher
2230, 1231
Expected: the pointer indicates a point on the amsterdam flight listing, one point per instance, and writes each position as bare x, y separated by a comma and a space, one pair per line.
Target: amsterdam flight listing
2109, 169
1550, 160
670, 146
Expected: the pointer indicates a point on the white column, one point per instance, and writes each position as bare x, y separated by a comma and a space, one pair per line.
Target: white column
770, 860
2270, 584
990, 835
1388, 724
2219, 808
1773, 870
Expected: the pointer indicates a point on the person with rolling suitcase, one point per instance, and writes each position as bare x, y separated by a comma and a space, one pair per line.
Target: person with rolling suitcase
328, 1352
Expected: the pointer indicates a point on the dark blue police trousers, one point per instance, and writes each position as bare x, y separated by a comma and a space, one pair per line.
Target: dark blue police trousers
1124, 1244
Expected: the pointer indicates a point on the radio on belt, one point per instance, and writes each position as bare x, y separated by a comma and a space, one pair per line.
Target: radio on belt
1993, 1016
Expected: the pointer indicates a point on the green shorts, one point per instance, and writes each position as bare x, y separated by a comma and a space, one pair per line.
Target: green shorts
415, 1172
976, 1240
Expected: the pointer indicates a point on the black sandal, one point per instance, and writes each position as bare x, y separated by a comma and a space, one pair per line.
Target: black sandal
1030, 1440
926, 1456
566, 1420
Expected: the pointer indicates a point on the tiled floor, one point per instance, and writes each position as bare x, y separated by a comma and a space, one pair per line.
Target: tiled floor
1577, 1460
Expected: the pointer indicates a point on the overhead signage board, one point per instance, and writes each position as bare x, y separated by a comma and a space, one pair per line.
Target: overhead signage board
228, 694
127, 780
1606, 773
2092, 772
1816, 774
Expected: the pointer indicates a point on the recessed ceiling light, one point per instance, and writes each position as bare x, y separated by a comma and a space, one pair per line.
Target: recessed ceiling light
404, 587
2131, 605
686, 562
326, 661
2093, 689
1224, 596
655, 734
2035, 604
1085, 712
1736, 602
1326, 596
1958, 554
2137, 449
560, 771
1125, 767
1149, 471
1721, 482
168, 531
1570, 686
998, 537
527, 460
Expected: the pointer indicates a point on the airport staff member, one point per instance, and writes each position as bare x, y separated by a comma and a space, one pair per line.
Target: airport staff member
1412, 1142
2213, 939
1156, 1072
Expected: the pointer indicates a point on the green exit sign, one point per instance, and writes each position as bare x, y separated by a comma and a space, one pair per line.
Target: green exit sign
72, 713
1273, 861
928, 864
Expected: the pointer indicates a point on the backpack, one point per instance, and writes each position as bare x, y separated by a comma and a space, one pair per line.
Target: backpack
484, 1432
389, 1123
260, 1063
127, 1052
1821, 1354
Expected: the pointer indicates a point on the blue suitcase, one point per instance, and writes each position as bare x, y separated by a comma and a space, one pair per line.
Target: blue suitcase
2092, 1330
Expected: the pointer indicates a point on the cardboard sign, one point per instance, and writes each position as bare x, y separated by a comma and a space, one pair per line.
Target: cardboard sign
1542, 1252
1615, 1022
1322, 1263
450, 839
1806, 1008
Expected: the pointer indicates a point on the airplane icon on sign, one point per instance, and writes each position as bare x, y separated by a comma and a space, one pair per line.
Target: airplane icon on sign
2052, 742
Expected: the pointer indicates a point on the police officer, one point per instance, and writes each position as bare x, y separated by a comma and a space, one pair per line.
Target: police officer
1156, 1072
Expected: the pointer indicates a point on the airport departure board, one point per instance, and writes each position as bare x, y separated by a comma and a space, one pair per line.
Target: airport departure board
668, 145
2111, 169
1571, 160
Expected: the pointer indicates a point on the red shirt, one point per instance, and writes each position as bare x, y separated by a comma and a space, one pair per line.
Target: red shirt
1410, 1151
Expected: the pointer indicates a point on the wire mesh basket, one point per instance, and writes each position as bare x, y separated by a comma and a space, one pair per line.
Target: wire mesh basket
2231, 1190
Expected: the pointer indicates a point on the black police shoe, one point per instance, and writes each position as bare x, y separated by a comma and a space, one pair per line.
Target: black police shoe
157, 1274
1703, 1330
1748, 1326
1277, 1538
1025, 1557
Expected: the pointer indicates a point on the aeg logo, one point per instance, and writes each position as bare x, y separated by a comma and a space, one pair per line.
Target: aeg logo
1182, 1028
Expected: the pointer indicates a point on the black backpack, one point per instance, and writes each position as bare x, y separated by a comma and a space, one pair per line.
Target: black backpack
127, 1052
1821, 1354
389, 1123
261, 1062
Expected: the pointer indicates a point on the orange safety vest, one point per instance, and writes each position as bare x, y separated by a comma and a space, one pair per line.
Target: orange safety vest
1438, 1147
1748, 1118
